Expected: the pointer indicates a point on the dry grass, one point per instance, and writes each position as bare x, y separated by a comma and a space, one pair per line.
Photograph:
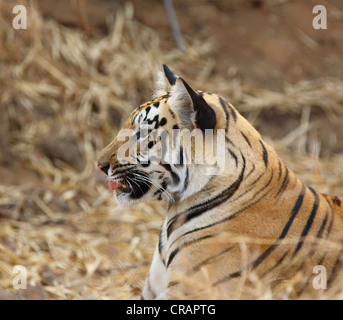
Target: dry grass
63, 96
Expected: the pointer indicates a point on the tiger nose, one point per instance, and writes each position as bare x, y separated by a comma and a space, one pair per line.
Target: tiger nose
104, 167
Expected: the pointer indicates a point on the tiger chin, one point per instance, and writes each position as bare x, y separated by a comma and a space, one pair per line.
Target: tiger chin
239, 223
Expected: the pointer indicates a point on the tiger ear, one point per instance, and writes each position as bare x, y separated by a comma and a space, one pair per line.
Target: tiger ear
171, 77
205, 117
165, 80
191, 106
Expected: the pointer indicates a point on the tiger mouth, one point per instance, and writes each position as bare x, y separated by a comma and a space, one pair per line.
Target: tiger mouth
134, 184
117, 185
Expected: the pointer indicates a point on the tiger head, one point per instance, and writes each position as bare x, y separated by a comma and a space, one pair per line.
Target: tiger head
163, 150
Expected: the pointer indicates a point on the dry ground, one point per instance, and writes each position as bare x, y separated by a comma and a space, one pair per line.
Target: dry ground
70, 80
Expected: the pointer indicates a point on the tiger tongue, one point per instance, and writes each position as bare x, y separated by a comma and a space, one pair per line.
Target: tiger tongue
113, 185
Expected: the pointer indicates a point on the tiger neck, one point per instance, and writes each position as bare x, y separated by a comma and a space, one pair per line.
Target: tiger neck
255, 182
254, 173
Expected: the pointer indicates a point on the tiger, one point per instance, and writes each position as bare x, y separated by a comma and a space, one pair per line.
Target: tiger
228, 223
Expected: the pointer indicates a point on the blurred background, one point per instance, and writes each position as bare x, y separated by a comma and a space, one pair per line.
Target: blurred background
70, 80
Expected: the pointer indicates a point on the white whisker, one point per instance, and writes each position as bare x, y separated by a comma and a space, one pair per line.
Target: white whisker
146, 180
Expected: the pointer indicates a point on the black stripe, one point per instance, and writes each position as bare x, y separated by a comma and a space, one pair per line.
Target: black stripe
122, 169
175, 251
160, 246
231, 276
170, 226
332, 214
265, 153
246, 139
234, 156
276, 264
309, 222
147, 110
234, 215
323, 225
336, 267
185, 184
284, 232
233, 112
312, 252
175, 177
211, 203
198, 266
265, 186
227, 116
225, 106
252, 186
172, 113
228, 140
284, 183
172, 222
139, 186
172, 256
181, 156
250, 172
217, 200
295, 211
270, 249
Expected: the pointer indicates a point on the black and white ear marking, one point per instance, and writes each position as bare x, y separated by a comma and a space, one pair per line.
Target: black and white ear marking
169, 75
164, 81
205, 117
190, 105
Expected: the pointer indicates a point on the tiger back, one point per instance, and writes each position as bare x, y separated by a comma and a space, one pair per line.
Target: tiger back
237, 218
